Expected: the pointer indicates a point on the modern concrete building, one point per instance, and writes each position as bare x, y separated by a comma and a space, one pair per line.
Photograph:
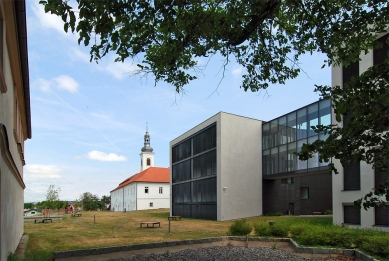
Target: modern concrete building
215, 169
291, 186
357, 179
232, 167
148, 189
15, 121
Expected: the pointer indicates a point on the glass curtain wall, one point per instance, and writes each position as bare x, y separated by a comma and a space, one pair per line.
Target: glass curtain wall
194, 176
285, 135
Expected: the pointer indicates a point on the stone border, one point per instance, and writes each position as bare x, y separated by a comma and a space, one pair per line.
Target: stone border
297, 249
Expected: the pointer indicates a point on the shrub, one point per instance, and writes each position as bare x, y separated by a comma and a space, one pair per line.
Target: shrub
261, 229
240, 228
278, 230
327, 212
377, 245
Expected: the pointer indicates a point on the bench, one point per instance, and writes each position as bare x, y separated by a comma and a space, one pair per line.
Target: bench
174, 218
44, 219
150, 223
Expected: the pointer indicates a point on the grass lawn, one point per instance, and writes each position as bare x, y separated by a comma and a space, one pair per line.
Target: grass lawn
118, 228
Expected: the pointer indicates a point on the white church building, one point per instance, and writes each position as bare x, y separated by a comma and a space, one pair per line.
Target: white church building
148, 189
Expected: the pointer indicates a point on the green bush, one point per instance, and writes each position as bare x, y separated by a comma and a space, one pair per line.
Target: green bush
274, 230
261, 229
321, 232
278, 230
327, 212
377, 245
240, 228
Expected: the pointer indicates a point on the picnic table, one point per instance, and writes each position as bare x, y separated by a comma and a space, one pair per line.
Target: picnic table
44, 219
147, 223
78, 214
174, 218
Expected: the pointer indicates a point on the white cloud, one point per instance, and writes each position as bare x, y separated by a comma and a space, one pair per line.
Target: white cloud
237, 72
66, 82
101, 156
42, 84
63, 82
36, 171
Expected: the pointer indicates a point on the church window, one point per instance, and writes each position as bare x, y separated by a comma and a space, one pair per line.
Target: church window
146, 190
160, 190
148, 162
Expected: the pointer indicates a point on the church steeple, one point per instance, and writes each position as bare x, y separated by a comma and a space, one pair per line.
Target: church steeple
147, 154
146, 147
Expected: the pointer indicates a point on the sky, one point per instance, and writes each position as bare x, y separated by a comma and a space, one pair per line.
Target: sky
89, 119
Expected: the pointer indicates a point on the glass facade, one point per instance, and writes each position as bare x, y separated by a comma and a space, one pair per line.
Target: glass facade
285, 135
194, 176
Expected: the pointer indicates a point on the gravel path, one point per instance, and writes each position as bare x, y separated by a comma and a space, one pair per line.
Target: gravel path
221, 254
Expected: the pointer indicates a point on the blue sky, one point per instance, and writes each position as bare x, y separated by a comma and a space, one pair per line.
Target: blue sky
88, 119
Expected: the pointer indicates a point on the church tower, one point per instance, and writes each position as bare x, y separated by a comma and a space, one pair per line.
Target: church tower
147, 154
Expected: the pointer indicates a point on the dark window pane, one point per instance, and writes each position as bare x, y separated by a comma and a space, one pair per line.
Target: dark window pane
283, 159
302, 125
204, 191
304, 193
181, 171
380, 54
274, 133
282, 131
382, 215
352, 215
205, 140
292, 134
181, 193
181, 151
352, 176
265, 136
313, 118
204, 165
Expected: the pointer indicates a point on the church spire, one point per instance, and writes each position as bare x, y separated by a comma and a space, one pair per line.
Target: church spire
146, 147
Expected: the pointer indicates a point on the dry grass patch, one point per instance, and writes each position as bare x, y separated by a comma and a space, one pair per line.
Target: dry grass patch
114, 229
118, 228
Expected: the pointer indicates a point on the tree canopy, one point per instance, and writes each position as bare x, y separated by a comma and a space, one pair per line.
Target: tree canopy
90, 201
267, 38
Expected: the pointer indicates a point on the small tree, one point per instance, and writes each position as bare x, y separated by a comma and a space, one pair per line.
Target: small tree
52, 197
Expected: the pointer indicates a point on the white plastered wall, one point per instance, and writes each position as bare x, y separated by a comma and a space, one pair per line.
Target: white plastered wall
240, 174
143, 157
159, 200
11, 191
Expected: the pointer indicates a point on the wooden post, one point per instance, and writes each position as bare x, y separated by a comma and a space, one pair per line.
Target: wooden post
169, 225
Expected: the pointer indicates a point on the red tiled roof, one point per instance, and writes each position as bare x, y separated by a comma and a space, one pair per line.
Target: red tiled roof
152, 174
